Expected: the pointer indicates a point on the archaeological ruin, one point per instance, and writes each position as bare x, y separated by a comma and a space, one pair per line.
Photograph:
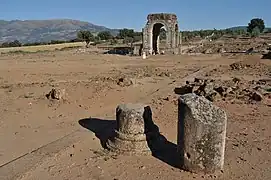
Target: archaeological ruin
134, 127
152, 40
201, 134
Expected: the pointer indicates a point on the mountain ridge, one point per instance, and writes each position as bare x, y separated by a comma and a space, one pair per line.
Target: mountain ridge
29, 31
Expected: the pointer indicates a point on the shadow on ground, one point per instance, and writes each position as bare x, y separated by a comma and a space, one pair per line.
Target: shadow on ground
103, 129
119, 51
160, 147
267, 56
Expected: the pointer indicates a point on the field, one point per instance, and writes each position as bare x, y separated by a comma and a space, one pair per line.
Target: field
50, 139
41, 47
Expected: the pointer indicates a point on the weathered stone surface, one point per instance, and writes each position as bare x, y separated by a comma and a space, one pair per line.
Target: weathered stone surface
134, 124
201, 134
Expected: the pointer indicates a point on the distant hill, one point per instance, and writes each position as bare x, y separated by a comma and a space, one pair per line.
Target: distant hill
45, 30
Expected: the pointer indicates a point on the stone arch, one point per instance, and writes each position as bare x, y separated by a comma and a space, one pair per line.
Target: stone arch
152, 30
160, 22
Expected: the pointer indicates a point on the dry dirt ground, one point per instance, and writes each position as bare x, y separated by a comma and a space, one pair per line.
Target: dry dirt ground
49, 139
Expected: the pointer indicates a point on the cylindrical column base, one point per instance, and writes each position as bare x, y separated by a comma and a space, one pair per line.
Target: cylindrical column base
134, 128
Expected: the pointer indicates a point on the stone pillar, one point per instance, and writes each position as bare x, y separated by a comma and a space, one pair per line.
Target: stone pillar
201, 134
173, 39
158, 44
150, 33
168, 40
145, 40
180, 43
134, 125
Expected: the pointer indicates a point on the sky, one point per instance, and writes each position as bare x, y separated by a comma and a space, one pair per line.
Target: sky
192, 14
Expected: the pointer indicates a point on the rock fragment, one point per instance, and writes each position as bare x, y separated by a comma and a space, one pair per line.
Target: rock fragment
57, 94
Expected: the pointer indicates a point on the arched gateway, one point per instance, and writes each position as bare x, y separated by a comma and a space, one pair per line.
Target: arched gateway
151, 33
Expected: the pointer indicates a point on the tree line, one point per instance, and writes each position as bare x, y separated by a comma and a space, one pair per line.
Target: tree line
128, 36
255, 27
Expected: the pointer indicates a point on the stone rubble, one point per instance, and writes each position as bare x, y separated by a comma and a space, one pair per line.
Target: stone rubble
215, 90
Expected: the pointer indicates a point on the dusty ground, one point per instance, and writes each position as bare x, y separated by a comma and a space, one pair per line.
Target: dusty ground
43, 139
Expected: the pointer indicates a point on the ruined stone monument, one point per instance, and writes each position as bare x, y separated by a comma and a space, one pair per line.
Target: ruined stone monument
201, 134
134, 126
151, 34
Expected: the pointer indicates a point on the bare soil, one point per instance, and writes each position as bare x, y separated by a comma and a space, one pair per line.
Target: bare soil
44, 138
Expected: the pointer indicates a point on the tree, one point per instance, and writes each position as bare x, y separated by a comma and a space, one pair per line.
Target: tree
128, 40
105, 35
256, 22
255, 32
163, 33
124, 33
85, 36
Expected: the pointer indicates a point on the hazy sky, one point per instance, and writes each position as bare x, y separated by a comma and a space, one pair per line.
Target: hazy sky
192, 14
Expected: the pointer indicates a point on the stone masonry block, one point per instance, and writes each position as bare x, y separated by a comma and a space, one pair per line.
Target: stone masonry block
201, 134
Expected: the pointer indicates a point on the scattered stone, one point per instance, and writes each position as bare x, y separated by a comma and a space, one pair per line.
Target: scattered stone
197, 80
58, 94
201, 134
239, 66
208, 51
256, 96
221, 90
242, 159
221, 50
236, 145
142, 167
227, 90
125, 82
267, 55
236, 80
208, 89
250, 50
212, 96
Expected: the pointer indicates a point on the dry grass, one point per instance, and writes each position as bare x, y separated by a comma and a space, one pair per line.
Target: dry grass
41, 47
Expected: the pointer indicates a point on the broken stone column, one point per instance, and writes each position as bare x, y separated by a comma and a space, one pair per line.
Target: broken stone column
134, 125
201, 134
